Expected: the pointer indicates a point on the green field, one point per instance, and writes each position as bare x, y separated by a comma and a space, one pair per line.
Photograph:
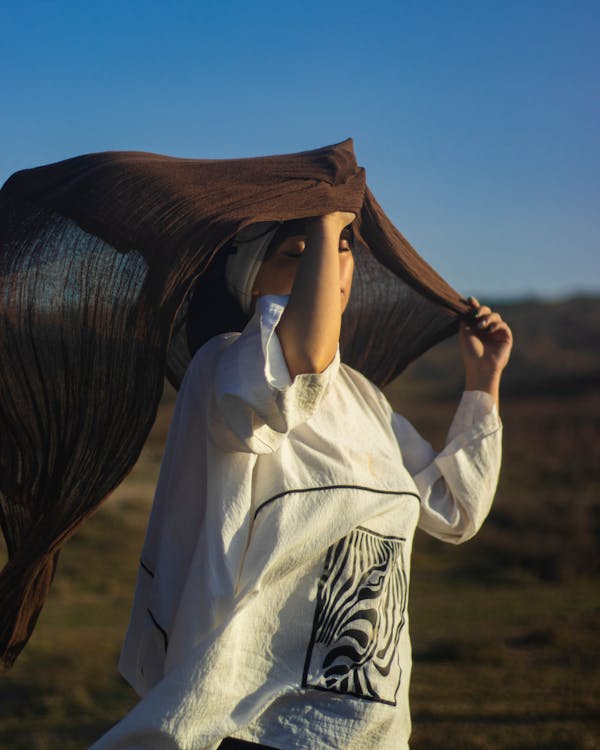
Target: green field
505, 628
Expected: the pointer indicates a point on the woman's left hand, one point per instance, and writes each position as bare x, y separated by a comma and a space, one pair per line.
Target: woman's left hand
485, 342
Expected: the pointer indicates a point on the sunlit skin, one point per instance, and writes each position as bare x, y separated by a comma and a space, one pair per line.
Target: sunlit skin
316, 271
277, 274
321, 276
485, 347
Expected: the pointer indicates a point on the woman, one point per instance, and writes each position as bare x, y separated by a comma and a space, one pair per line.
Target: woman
272, 593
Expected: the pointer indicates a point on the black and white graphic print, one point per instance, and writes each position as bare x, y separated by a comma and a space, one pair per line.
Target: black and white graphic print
360, 612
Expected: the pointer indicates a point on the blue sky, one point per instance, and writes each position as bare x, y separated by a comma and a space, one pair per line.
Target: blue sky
477, 121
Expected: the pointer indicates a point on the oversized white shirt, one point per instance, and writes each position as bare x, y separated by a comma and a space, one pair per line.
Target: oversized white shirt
271, 602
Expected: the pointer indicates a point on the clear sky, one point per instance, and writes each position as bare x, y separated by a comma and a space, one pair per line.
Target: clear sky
478, 121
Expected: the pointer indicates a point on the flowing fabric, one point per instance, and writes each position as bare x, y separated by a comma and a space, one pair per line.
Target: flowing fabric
111, 277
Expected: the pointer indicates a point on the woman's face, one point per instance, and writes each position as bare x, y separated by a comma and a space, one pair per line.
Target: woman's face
277, 273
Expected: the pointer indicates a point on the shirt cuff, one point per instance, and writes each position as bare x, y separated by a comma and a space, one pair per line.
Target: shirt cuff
475, 407
270, 309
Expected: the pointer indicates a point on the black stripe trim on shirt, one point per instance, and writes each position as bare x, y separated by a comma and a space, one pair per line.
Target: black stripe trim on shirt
162, 630
335, 487
382, 536
147, 569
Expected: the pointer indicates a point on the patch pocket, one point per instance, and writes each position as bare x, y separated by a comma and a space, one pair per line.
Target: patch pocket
359, 615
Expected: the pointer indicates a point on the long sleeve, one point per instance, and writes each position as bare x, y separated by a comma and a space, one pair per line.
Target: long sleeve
457, 485
255, 402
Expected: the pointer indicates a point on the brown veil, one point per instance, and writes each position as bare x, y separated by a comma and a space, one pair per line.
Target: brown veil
110, 277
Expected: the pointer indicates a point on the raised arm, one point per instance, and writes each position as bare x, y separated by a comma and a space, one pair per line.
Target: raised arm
309, 328
486, 343
457, 485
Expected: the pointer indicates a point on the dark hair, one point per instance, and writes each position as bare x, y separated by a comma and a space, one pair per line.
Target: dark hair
212, 309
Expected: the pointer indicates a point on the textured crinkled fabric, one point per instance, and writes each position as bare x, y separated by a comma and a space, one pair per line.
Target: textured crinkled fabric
109, 264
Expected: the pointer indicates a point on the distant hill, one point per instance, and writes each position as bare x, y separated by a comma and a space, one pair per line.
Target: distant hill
556, 352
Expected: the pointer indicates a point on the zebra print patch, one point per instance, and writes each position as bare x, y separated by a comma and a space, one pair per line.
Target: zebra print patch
360, 612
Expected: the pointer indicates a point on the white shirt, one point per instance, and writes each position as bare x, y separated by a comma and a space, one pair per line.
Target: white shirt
271, 602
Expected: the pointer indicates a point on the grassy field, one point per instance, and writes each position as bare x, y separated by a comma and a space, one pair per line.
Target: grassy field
505, 628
